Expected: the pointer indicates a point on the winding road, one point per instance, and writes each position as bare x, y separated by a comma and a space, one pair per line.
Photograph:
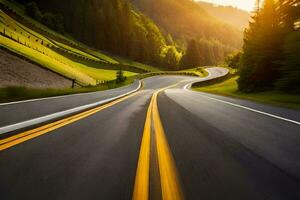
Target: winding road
164, 141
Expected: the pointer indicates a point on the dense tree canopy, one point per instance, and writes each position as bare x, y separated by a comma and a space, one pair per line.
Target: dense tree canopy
114, 26
204, 53
270, 49
155, 33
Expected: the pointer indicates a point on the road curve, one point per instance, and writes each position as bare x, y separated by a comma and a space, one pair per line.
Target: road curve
218, 150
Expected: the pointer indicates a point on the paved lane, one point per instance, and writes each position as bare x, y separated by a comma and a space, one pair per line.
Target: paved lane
94, 158
215, 150
226, 152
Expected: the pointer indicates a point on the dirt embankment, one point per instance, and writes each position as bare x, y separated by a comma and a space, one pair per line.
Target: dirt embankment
15, 71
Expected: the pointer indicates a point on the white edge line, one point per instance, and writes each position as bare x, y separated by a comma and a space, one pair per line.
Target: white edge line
46, 118
188, 86
253, 110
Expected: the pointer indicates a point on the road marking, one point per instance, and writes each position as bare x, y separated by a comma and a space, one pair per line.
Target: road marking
188, 86
24, 124
28, 135
254, 110
170, 185
141, 185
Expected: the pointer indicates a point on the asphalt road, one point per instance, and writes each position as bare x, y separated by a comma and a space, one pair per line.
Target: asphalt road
220, 150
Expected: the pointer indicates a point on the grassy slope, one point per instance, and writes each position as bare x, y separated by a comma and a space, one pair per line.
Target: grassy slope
125, 61
18, 8
37, 47
93, 66
47, 57
229, 88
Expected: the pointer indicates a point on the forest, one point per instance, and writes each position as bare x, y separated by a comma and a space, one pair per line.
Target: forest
270, 58
144, 31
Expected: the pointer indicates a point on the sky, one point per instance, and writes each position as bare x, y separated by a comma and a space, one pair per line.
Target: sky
242, 4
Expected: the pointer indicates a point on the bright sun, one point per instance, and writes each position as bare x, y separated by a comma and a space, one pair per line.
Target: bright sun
242, 4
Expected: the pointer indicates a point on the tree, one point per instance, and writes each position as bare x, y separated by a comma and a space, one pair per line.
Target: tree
289, 18
54, 21
32, 10
120, 78
271, 48
262, 50
192, 57
234, 60
291, 65
172, 58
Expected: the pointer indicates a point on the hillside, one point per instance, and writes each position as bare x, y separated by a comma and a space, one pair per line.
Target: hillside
204, 39
185, 20
111, 25
164, 33
59, 53
153, 32
228, 14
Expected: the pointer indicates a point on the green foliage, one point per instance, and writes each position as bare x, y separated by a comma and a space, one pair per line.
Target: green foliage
204, 53
207, 39
171, 58
39, 48
33, 11
267, 49
118, 27
192, 57
112, 25
53, 21
186, 20
234, 60
120, 78
290, 80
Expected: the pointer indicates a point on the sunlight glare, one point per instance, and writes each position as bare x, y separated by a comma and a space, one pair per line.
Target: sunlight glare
242, 4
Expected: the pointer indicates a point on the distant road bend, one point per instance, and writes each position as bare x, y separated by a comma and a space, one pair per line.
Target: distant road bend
163, 141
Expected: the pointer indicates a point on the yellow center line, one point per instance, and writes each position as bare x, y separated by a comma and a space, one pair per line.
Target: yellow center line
170, 185
30, 134
141, 187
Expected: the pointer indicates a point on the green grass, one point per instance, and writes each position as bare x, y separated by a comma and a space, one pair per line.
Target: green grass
20, 10
230, 88
36, 47
125, 61
77, 51
82, 49
102, 56
51, 61
9, 94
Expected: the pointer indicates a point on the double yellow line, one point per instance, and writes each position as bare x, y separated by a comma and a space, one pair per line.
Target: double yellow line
28, 135
170, 186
